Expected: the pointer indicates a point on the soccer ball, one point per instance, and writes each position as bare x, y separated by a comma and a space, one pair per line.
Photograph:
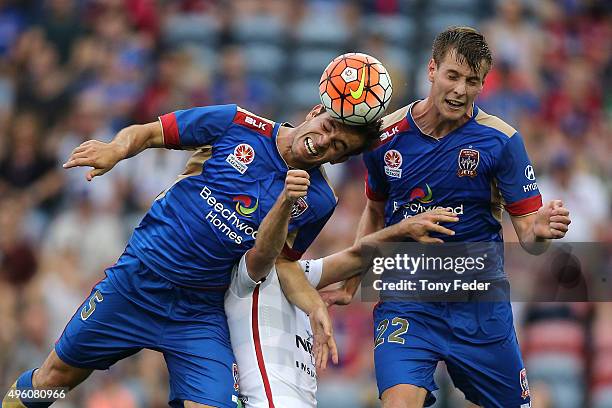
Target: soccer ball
355, 89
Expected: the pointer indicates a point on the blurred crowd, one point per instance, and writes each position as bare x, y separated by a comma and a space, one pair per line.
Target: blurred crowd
73, 70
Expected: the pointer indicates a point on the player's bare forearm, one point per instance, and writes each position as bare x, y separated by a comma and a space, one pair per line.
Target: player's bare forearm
353, 261
272, 232
127, 143
299, 291
535, 231
524, 227
296, 287
271, 237
134, 139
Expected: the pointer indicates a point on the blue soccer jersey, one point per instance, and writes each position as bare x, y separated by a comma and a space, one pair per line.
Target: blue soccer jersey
478, 170
200, 227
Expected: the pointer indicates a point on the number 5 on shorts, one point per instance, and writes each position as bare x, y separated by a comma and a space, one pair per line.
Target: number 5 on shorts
89, 308
394, 337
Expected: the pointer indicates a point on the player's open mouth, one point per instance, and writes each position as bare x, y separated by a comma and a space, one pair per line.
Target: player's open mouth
310, 147
454, 104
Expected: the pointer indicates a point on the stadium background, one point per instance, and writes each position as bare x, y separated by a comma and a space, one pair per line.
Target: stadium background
71, 70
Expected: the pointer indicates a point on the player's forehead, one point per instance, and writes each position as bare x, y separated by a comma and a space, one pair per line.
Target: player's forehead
453, 61
339, 131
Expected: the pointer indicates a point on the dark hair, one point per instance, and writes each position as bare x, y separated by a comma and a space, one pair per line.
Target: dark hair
369, 133
469, 44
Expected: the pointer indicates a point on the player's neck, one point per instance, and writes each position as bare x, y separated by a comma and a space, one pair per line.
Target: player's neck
284, 139
431, 122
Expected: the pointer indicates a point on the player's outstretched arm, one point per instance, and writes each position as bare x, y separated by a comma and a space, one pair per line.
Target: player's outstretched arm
536, 230
372, 219
272, 232
127, 143
353, 261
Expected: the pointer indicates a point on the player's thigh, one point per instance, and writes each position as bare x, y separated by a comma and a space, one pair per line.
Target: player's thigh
106, 328
404, 396
199, 355
491, 375
407, 349
56, 373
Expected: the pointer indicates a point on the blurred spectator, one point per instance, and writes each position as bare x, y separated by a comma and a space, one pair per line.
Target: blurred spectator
569, 183
515, 42
507, 95
18, 256
62, 25
233, 85
25, 167
97, 237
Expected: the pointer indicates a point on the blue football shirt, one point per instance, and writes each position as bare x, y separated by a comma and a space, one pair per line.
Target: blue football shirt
199, 228
478, 170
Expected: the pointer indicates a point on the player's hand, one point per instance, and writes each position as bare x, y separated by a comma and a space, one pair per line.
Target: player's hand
324, 342
93, 153
336, 297
552, 221
296, 185
421, 225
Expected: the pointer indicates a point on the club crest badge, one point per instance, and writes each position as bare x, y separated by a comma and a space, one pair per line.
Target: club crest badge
236, 377
468, 162
243, 155
524, 384
393, 163
299, 207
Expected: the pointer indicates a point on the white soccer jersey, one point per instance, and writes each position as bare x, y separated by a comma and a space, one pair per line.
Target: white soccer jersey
272, 340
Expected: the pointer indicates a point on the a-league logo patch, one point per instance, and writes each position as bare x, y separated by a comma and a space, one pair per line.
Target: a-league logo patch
524, 384
299, 207
468, 162
393, 163
243, 155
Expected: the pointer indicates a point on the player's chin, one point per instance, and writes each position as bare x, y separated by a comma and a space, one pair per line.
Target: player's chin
453, 113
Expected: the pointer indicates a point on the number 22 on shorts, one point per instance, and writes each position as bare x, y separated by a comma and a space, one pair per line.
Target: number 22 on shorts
394, 337
90, 307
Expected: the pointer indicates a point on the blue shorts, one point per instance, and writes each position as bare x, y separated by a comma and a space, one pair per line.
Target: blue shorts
476, 341
134, 308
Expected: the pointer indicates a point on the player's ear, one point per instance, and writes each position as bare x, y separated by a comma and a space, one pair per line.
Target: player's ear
315, 111
431, 69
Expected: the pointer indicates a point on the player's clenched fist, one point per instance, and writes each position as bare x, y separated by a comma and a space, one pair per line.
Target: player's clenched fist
552, 221
93, 153
296, 184
420, 226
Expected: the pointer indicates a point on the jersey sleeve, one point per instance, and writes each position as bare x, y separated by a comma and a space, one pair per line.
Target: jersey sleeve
300, 238
516, 179
197, 126
242, 284
376, 187
313, 269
